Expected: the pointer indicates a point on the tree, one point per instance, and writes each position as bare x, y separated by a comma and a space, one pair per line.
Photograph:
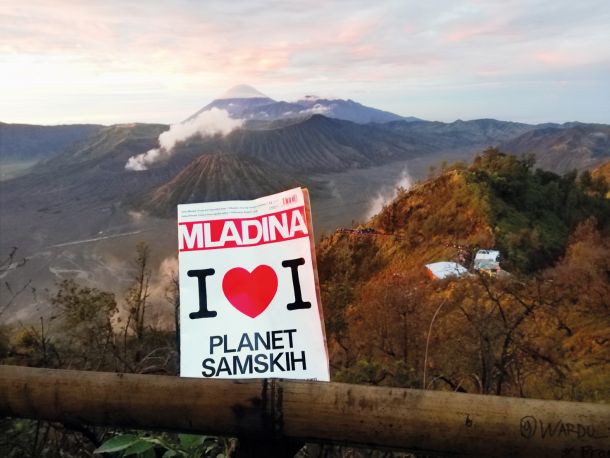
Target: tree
87, 336
145, 348
137, 295
498, 320
581, 288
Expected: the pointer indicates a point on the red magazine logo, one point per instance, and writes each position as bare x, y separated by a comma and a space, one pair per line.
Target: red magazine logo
229, 233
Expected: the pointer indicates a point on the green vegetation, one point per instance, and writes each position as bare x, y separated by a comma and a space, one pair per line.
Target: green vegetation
532, 213
170, 445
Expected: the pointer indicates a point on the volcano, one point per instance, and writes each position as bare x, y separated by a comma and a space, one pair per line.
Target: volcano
213, 177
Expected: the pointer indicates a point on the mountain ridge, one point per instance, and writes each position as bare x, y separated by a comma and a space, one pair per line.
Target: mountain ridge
316, 144
565, 147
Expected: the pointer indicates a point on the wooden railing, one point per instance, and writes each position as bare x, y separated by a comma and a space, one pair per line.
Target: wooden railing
272, 411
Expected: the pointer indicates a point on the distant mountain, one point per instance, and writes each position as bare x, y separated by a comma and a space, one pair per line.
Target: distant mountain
25, 142
240, 108
349, 111
90, 171
460, 134
564, 148
247, 103
275, 111
108, 142
214, 177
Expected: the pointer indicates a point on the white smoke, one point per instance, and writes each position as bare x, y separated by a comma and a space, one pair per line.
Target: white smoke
160, 291
316, 109
162, 278
207, 123
387, 194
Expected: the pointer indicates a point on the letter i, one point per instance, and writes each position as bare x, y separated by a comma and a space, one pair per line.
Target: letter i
296, 284
203, 311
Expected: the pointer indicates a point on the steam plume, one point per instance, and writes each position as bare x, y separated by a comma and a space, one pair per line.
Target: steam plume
206, 123
386, 195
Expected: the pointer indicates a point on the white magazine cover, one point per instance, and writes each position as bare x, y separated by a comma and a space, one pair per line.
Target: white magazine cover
249, 296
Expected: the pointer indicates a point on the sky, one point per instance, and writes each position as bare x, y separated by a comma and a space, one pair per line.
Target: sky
116, 61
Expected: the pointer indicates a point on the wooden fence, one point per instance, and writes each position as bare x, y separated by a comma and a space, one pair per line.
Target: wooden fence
274, 411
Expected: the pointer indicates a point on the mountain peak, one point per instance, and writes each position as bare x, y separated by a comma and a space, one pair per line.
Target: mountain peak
242, 91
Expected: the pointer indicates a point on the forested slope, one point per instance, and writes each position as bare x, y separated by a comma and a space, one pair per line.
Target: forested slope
535, 331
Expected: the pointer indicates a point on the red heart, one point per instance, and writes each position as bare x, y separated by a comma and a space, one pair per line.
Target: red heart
250, 293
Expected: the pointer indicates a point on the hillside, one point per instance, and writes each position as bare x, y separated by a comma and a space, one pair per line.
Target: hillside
106, 144
498, 201
564, 148
92, 169
215, 177
373, 281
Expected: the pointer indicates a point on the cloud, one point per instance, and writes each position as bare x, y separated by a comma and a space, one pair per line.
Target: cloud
207, 123
65, 52
557, 58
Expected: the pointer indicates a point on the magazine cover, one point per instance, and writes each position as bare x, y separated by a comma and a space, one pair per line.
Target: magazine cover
250, 304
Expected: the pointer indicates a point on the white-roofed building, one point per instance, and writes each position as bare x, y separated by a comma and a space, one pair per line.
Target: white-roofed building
442, 270
487, 261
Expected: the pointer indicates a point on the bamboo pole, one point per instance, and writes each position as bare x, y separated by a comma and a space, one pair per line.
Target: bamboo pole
272, 410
